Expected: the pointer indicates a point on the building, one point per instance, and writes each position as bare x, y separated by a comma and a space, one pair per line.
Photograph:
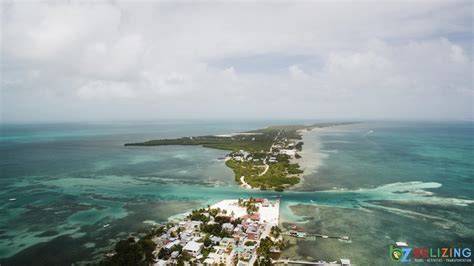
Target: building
195, 224
288, 152
172, 244
209, 261
185, 236
220, 256
301, 234
245, 154
272, 160
193, 248
226, 241
252, 233
174, 254
215, 240
228, 227
227, 250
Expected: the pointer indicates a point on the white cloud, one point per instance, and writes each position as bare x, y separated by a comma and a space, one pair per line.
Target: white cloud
116, 60
100, 89
297, 73
395, 60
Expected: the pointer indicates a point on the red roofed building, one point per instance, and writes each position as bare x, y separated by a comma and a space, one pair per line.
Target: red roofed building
255, 216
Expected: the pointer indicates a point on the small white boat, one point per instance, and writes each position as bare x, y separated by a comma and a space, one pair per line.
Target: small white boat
12, 199
106, 225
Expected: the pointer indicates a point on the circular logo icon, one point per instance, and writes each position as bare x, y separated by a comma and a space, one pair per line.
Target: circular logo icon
397, 254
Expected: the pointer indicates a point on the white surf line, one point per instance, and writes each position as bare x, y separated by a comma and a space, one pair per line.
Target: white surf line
407, 213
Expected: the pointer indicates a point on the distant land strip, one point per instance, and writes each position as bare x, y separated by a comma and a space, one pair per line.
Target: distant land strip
261, 159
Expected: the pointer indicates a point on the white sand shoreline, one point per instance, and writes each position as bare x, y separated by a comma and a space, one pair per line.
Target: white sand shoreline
311, 155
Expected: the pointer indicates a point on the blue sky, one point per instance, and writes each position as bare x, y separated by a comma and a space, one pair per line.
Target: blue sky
83, 60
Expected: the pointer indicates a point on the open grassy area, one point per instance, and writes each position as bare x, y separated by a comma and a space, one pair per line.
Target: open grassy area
279, 176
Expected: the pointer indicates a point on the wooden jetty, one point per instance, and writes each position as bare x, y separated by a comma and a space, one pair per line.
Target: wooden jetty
309, 236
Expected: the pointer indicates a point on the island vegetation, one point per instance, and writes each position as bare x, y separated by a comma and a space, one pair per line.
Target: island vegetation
262, 158
237, 234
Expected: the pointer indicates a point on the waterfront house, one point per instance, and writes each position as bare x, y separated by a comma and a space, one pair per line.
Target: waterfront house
301, 234
290, 153
195, 224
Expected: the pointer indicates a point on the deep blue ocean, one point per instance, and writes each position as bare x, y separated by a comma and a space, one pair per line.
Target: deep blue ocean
378, 182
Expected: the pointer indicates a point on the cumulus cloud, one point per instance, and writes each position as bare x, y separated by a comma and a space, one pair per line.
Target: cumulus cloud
275, 60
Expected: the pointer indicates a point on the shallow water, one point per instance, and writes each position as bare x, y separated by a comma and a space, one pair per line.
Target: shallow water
70, 179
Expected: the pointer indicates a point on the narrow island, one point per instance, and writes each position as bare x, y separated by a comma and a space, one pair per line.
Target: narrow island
261, 159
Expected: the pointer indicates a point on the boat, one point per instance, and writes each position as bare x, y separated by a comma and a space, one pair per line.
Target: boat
106, 225
12, 199
401, 244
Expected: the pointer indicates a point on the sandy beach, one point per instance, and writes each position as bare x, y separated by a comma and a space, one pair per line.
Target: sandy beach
311, 155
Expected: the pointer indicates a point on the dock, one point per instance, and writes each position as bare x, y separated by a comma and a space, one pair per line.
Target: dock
309, 236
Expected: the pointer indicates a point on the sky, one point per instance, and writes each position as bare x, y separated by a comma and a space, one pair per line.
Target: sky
130, 60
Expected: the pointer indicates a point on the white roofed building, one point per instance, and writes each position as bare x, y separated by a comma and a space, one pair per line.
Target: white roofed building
193, 248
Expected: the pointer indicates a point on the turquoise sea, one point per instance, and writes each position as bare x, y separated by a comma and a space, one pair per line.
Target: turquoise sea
377, 182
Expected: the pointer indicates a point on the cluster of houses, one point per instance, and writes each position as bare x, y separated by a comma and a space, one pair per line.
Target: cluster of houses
286, 148
297, 232
243, 156
282, 146
243, 231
